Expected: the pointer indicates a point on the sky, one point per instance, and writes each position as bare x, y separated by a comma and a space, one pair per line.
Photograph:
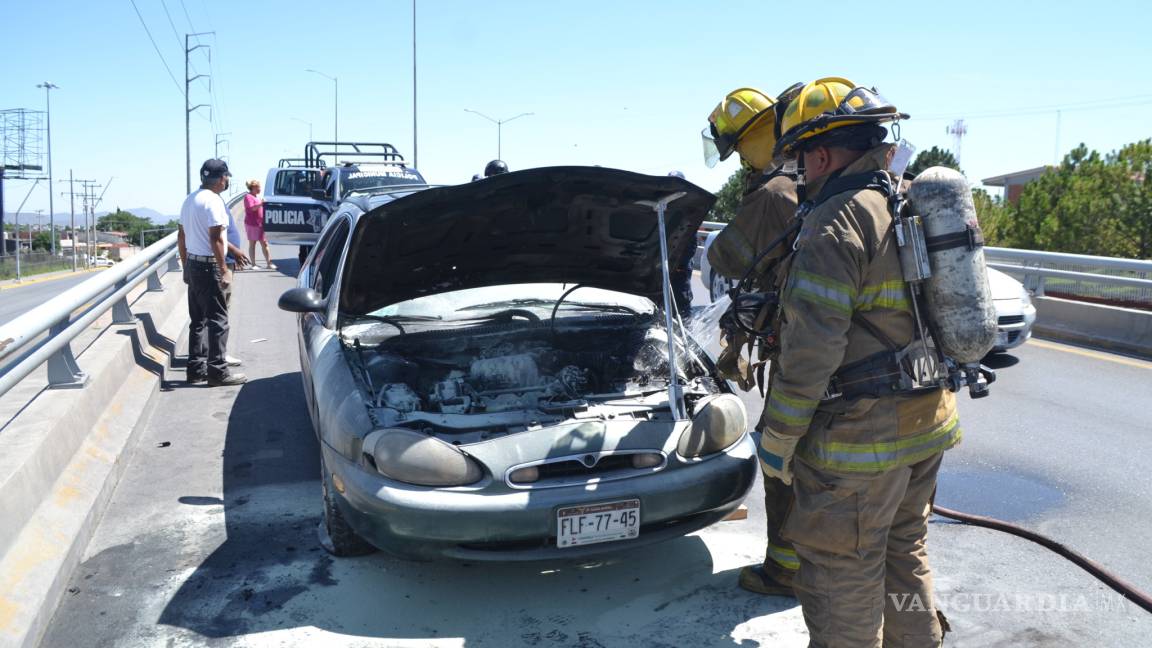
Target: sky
619, 84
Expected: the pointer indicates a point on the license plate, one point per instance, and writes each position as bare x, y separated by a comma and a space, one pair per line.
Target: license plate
593, 523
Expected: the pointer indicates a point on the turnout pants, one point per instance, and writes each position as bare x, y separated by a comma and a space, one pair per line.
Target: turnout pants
864, 580
208, 328
780, 560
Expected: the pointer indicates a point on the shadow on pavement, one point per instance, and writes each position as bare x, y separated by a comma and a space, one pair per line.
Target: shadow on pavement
270, 573
1000, 360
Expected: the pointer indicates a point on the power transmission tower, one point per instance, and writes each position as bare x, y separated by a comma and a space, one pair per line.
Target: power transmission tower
220, 139
189, 108
957, 130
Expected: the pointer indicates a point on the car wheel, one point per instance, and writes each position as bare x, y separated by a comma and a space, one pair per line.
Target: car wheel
718, 286
336, 536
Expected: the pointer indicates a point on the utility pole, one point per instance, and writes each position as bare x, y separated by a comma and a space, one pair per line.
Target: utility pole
957, 130
48, 87
72, 223
87, 192
415, 156
188, 109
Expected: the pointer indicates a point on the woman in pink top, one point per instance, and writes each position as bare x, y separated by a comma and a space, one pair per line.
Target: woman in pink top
254, 222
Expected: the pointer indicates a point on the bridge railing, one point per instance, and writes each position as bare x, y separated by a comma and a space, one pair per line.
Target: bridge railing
1120, 282
45, 333
1108, 280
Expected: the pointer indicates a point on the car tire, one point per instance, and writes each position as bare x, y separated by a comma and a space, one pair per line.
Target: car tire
718, 286
336, 535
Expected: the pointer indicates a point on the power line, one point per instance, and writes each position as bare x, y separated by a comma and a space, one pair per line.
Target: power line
1098, 104
175, 34
153, 40
213, 68
186, 16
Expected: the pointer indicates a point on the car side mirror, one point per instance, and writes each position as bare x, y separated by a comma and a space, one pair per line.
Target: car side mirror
302, 300
319, 194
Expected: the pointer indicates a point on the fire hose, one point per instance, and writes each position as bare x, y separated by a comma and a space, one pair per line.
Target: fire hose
1119, 585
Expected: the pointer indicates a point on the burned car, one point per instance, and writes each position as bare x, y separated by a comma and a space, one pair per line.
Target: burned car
493, 375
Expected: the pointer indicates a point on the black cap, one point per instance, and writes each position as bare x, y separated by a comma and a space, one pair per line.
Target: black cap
214, 169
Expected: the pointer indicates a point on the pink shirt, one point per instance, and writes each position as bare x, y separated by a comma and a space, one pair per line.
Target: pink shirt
253, 210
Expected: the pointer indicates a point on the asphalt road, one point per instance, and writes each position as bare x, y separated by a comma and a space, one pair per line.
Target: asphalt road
17, 299
210, 536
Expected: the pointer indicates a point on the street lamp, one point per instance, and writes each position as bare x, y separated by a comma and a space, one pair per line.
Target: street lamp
48, 87
499, 123
304, 121
335, 104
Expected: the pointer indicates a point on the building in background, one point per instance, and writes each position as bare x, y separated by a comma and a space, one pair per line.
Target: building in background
1013, 183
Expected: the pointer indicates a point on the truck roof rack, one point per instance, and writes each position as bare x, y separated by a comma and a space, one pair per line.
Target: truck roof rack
292, 162
377, 152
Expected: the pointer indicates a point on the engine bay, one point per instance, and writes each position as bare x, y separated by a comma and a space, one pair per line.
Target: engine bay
469, 386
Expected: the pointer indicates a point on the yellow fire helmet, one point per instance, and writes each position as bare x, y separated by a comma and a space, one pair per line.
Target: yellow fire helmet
738, 112
741, 112
830, 103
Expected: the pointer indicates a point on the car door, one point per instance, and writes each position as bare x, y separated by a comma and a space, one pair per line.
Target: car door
316, 332
291, 215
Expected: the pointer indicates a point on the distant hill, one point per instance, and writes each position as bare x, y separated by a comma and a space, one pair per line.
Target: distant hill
62, 218
145, 212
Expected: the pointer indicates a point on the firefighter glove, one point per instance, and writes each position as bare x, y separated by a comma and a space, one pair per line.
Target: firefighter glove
776, 452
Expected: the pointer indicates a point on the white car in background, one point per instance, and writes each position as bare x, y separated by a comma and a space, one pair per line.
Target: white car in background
1015, 313
716, 283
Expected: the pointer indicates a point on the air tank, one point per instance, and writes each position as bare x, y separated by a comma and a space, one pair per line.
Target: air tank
959, 301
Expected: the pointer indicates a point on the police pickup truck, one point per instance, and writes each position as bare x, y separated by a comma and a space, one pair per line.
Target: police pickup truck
300, 194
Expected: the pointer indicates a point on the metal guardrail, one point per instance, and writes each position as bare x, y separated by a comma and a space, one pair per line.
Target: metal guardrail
22, 347
1124, 282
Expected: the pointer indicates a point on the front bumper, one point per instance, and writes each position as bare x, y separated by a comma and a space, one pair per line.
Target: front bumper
1014, 326
477, 524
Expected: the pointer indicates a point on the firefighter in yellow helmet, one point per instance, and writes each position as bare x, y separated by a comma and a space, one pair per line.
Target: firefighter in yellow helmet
861, 451
747, 122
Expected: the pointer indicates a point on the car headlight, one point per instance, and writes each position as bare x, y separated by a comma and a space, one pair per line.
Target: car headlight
1025, 297
718, 422
415, 458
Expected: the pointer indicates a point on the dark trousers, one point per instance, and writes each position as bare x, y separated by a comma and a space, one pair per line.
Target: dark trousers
208, 329
680, 275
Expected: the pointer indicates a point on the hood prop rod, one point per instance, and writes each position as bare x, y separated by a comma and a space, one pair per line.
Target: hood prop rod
675, 393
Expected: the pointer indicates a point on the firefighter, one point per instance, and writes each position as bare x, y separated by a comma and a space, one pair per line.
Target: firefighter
747, 122
862, 456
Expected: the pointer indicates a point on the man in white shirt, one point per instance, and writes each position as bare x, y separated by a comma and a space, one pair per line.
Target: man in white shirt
203, 253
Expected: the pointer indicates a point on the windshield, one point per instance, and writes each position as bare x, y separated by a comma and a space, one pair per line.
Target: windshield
365, 178
461, 306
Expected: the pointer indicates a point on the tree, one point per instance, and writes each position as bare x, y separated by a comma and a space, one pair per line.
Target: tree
1078, 207
132, 225
934, 156
42, 240
1135, 164
729, 197
994, 217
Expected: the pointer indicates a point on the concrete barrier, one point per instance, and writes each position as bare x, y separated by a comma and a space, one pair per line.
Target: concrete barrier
62, 454
1108, 327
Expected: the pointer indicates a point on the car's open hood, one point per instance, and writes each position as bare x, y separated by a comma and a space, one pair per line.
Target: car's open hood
548, 225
